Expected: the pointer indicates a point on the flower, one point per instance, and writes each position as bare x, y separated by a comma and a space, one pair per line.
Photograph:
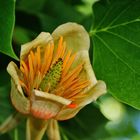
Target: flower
55, 79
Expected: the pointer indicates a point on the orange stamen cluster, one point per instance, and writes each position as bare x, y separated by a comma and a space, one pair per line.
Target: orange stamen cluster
39, 63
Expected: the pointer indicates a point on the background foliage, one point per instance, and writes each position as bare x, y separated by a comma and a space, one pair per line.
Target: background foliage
114, 28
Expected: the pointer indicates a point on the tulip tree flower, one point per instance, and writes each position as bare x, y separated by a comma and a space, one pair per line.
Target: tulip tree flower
55, 80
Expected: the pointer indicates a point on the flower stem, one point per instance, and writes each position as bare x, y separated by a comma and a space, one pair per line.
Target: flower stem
35, 128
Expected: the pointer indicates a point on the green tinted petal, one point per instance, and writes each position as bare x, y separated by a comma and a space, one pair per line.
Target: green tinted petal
20, 102
67, 113
41, 40
75, 35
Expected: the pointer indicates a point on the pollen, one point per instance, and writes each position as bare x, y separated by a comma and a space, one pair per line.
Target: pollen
50, 69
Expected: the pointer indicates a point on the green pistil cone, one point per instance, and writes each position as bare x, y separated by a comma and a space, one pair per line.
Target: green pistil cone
52, 77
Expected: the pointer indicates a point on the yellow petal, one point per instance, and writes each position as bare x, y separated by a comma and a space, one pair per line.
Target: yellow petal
52, 97
20, 102
41, 40
87, 72
45, 105
75, 36
43, 109
13, 70
67, 113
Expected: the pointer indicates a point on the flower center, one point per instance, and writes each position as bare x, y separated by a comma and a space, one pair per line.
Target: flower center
51, 71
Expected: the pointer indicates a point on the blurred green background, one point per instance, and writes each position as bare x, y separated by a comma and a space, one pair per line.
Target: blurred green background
106, 119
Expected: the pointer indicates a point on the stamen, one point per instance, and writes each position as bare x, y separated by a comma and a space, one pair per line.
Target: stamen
73, 93
70, 84
63, 50
37, 80
66, 59
68, 65
63, 88
22, 69
59, 49
31, 75
81, 85
25, 68
76, 89
33, 60
45, 60
72, 75
53, 74
50, 57
38, 57
24, 86
59, 91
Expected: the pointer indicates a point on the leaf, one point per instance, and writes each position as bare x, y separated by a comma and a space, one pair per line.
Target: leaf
7, 19
5, 137
32, 5
116, 39
20, 35
6, 108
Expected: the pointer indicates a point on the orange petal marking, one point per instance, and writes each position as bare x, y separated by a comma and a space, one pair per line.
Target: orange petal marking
72, 105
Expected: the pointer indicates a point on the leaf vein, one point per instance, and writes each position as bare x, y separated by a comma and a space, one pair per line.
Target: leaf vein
123, 38
116, 55
123, 11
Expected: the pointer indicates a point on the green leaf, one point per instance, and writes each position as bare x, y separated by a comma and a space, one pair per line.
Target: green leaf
5, 137
116, 40
20, 35
7, 19
6, 107
32, 5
